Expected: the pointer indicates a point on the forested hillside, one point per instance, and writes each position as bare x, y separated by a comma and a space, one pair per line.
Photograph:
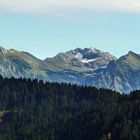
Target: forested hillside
32, 110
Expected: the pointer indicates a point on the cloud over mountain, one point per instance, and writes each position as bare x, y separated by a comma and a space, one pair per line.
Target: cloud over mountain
48, 6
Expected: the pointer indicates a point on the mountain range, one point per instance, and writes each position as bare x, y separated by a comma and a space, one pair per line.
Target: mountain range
88, 66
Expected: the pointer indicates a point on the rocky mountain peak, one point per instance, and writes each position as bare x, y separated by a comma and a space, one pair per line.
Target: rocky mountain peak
132, 54
130, 57
94, 50
3, 51
87, 50
92, 53
83, 59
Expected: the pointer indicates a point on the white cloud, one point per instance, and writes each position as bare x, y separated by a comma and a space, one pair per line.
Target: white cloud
56, 6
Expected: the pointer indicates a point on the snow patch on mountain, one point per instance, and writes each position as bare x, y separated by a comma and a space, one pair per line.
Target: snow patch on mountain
88, 60
78, 56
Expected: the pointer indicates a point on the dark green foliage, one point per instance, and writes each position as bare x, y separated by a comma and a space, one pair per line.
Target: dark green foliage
32, 110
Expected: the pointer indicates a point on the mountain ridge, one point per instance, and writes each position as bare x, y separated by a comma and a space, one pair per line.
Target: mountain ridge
88, 66
86, 58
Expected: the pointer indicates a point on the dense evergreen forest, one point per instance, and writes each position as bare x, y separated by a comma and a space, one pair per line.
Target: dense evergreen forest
32, 110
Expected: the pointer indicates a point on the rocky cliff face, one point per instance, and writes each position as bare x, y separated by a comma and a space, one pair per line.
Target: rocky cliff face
123, 74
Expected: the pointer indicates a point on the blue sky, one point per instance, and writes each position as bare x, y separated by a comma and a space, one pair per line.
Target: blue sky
44, 33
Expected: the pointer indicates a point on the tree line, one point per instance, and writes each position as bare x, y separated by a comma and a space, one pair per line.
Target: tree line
34, 110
